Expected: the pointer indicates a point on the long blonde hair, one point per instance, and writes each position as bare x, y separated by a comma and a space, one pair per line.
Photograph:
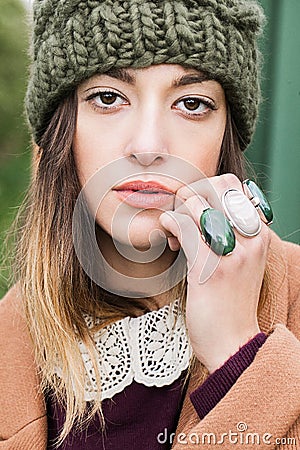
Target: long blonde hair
55, 289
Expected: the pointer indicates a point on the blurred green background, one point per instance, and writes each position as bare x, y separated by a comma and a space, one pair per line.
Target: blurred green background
275, 152
14, 139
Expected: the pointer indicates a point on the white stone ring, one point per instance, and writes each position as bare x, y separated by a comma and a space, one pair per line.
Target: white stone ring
241, 213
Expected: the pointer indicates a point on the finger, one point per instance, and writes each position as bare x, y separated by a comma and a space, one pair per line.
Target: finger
202, 261
174, 244
183, 227
248, 220
194, 207
258, 245
211, 189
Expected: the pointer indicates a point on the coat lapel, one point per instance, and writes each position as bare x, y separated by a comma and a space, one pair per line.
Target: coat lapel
22, 401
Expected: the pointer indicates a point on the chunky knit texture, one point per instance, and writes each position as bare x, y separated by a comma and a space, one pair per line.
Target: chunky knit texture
74, 39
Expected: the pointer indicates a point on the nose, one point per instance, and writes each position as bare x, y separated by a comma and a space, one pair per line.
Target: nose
148, 143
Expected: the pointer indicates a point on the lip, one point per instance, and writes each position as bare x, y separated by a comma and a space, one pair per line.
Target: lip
144, 194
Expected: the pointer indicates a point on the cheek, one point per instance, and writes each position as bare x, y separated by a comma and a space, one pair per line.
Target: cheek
208, 159
201, 145
94, 146
205, 159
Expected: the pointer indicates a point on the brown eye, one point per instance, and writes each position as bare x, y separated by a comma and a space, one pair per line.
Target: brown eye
108, 98
192, 104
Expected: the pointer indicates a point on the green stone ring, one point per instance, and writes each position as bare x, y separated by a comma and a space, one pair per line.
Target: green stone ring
259, 200
217, 232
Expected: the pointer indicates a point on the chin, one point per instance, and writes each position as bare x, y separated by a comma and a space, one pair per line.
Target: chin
141, 232
155, 238
145, 232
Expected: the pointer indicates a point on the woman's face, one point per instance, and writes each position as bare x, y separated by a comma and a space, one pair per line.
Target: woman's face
146, 119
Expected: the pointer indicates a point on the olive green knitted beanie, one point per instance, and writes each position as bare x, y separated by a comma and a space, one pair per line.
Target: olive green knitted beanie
74, 39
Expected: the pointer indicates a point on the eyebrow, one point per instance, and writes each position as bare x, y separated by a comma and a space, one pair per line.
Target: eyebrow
190, 78
184, 80
122, 75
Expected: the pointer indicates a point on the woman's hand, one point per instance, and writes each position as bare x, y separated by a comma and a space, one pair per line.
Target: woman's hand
223, 291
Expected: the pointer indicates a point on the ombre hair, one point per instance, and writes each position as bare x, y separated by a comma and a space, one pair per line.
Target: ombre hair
55, 289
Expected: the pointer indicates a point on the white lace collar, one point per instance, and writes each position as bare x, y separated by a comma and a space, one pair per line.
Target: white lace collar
152, 349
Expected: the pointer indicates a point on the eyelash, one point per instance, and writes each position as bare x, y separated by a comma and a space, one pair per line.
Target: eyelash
91, 99
202, 101
210, 105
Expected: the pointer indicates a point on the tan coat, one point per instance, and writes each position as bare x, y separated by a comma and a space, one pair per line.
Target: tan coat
265, 399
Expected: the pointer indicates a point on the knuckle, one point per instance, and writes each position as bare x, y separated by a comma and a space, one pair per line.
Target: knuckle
195, 202
189, 223
188, 190
241, 257
265, 233
230, 180
182, 192
257, 247
193, 206
190, 203
183, 220
261, 243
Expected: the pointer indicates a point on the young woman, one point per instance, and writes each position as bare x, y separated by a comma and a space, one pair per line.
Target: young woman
153, 307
